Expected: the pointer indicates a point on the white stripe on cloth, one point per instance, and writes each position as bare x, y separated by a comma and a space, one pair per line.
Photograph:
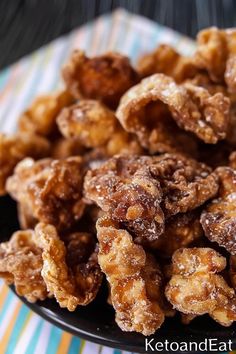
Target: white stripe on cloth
26, 335
43, 340
7, 317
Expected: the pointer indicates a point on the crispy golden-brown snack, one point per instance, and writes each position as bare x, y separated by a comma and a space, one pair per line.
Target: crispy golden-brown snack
88, 120
186, 183
216, 53
104, 77
21, 264
72, 285
15, 148
131, 196
181, 230
219, 217
40, 117
164, 59
51, 189
96, 126
212, 52
196, 289
192, 107
134, 280
135, 190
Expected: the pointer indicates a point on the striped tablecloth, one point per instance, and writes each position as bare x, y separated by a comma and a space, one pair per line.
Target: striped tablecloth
22, 331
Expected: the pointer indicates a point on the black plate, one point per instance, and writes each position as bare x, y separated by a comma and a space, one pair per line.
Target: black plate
95, 322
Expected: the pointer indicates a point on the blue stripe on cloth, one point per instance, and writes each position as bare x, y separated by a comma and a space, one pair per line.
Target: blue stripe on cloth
7, 109
117, 351
24, 311
4, 74
34, 339
74, 346
54, 340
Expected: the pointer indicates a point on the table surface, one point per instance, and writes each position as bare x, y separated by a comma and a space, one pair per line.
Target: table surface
28, 24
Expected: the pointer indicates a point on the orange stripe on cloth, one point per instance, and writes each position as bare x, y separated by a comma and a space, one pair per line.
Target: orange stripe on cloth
3, 294
64, 343
5, 339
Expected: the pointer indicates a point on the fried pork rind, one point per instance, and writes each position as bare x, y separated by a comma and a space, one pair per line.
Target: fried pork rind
186, 184
104, 77
219, 217
192, 108
21, 264
72, 285
40, 117
15, 148
164, 59
136, 190
216, 53
134, 278
212, 52
96, 126
131, 196
90, 121
196, 289
181, 230
51, 189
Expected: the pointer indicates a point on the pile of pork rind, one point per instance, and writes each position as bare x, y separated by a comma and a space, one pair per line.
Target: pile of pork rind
130, 172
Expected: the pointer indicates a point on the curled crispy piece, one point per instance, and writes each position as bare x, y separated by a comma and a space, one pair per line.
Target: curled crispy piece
212, 52
186, 183
21, 264
40, 117
130, 196
135, 282
105, 77
181, 230
219, 218
216, 53
51, 189
73, 286
135, 190
16, 147
196, 289
164, 59
192, 108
